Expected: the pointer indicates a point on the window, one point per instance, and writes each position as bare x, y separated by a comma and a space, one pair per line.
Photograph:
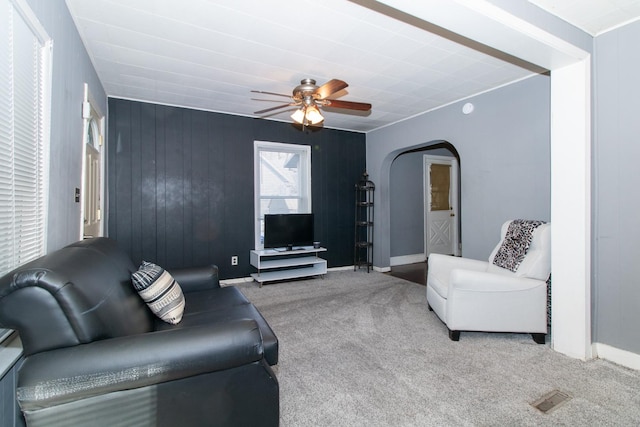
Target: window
25, 51
282, 181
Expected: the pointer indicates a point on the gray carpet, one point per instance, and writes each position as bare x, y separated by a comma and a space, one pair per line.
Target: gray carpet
360, 349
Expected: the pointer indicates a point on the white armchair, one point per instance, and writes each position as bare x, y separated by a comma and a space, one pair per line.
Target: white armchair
472, 295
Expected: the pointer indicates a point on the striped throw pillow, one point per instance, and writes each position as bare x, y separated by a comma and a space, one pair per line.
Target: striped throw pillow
160, 291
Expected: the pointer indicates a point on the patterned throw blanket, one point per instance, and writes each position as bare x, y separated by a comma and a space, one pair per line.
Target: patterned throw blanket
516, 243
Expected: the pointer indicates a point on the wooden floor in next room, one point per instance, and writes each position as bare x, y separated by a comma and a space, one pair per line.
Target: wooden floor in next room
416, 272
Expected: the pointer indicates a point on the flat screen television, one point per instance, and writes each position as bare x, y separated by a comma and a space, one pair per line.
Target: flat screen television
288, 230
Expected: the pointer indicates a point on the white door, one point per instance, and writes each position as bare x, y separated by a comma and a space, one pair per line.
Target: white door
92, 213
441, 196
92, 170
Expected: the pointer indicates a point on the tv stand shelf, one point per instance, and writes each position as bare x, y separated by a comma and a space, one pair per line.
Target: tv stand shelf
275, 264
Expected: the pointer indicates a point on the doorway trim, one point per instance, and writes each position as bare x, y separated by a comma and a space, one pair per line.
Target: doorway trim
91, 112
429, 159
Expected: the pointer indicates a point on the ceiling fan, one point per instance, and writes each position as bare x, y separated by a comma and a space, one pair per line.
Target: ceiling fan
310, 98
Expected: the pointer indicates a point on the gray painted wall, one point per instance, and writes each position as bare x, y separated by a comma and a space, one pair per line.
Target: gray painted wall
406, 197
71, 69
616, 199
504, 151
406, 194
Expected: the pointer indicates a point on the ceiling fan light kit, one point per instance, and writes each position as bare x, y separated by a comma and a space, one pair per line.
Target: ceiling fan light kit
310, 98
298, 116
307, 115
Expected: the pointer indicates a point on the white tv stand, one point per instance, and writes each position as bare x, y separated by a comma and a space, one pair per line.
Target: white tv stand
282, 264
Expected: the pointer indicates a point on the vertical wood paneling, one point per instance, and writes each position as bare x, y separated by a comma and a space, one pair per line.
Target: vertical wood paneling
216, 150
147, 189
120, 199
197, 246
173, 188
181, 184
160, 187
188, 206
135, 136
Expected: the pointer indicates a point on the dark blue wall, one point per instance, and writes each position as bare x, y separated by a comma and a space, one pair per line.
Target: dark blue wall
180, 184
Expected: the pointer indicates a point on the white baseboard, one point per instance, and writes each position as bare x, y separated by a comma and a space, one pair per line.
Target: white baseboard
381, 269
616, 355
406, 259
344, 268
236, 281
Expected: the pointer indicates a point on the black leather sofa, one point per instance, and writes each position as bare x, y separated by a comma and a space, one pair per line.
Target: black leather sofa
96, 355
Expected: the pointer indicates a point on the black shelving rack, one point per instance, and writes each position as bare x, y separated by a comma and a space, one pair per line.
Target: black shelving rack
363, 250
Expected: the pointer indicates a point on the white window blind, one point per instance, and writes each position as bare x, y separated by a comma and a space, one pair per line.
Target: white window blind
24, 80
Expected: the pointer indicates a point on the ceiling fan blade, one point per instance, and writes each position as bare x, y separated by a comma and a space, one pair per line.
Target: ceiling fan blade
330, 87
335, 103
271, 93
266, 110
266, 100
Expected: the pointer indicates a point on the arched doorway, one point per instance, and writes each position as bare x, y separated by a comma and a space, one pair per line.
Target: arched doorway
408, 231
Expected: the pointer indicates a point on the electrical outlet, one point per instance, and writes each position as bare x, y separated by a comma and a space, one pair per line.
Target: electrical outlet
234, 260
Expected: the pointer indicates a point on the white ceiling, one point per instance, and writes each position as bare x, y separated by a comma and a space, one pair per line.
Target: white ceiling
593, 16
208, 55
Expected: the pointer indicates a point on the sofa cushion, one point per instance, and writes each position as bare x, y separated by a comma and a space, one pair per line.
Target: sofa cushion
214, 299
224, 305
160, 291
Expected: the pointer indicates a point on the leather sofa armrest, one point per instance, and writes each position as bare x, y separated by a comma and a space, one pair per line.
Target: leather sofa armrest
195, 279
71, 373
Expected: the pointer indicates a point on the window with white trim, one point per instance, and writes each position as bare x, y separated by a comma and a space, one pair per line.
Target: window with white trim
282, 182
25, 51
